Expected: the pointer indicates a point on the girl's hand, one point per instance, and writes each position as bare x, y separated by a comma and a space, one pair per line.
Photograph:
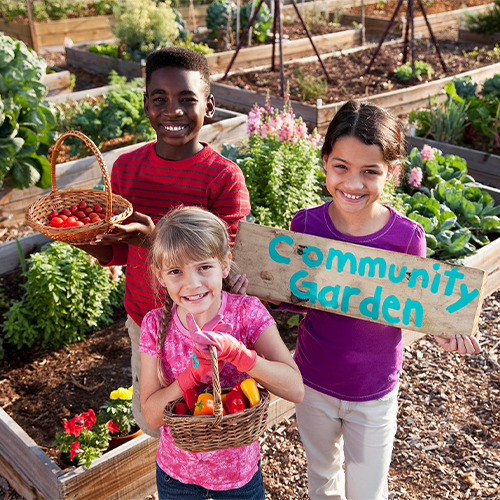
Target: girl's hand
461, 343
238, 284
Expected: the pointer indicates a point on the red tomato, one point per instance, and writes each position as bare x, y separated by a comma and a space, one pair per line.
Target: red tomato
53, 214
102, 215
73, 209
82, 205
69, 221
81, 215
95, 219
65, 212
88, 210
92, 215
63, 217
56, 222
98, 208
77, 223
86, 220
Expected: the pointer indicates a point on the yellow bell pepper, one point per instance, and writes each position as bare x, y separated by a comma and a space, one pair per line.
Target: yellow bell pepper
251, 391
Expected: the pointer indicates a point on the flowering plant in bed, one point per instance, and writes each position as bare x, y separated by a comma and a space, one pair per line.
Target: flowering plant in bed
457, 215
281, 163
84, 438
118, 409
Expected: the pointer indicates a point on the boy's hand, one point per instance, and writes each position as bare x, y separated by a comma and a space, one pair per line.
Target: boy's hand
238, 284
135, 232
461, 343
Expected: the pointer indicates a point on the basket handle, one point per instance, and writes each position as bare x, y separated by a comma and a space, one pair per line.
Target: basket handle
100, 161
216, 386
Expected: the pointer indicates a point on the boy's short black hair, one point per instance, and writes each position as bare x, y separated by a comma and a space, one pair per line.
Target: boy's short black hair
178, 57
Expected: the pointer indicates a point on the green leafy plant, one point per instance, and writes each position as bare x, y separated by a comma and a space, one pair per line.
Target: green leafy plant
216, 20
26, 120
464, 86
281, 164
404, 72
107, 49
118, 409
445, 122
119, 112
486, 23
67, 294
262, 23
458, 217
11, 10
491, 86
484, 54
142, 26
84, 439
311, 86
189, 44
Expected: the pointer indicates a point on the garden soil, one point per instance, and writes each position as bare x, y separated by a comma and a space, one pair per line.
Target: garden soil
307, 80
448, 440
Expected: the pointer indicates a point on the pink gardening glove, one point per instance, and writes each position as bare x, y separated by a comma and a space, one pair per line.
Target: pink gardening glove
228, 348
199, 371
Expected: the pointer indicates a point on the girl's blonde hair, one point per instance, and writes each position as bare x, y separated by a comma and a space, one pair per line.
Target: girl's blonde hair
184, 235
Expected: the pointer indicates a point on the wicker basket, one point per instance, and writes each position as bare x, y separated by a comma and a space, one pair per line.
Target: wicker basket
37, 215
217, 432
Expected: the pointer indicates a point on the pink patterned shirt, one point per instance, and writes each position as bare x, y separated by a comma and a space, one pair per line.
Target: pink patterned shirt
216, 470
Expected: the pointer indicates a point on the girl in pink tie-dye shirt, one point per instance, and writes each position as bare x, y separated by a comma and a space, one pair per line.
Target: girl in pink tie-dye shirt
190, 257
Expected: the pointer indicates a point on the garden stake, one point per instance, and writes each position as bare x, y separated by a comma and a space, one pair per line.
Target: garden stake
410, 19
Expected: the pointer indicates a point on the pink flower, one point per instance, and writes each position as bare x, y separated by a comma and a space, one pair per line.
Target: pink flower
427, 153
75, 448
117, 272
416, 175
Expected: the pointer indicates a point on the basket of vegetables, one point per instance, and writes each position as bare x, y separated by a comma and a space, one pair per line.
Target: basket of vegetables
78, 216
227, 418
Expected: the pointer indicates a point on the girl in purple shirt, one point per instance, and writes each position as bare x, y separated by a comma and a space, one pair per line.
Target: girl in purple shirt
351, 367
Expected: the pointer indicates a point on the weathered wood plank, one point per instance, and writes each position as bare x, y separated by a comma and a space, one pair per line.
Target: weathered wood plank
9, 254
356, 281
57, 83
465, 35
32, 471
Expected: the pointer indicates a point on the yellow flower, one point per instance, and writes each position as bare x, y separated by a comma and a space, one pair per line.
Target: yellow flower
121, 393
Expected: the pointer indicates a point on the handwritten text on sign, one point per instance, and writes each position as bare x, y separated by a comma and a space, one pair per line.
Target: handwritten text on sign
401, 290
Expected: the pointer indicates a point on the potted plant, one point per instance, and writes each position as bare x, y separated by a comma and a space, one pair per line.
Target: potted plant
83, 439
118, 409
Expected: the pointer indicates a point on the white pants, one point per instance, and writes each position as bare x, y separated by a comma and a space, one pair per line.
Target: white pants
359, 433
134, 332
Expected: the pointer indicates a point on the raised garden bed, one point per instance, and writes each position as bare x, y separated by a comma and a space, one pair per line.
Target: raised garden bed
79, 57
57, 83
484, 167
441, 15
469, 36
242, 90
227, 126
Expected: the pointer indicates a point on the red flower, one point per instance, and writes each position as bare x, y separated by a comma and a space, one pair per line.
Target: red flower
72, 427
89, 418
112, 426
75, 448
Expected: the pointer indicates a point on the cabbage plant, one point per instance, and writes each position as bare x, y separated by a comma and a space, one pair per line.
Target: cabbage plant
26, 120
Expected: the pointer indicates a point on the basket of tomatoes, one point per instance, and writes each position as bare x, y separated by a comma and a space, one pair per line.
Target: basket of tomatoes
78, 216
226, 418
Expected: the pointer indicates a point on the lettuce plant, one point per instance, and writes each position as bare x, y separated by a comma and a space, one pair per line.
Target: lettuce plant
26, 120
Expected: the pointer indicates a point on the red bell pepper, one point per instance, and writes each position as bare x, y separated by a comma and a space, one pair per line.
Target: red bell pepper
182, 409
235, 402
191, 397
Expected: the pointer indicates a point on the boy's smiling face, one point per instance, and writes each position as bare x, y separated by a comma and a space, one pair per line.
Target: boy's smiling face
176, 104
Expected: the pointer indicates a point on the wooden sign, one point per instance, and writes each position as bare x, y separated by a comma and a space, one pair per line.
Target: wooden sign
423, 295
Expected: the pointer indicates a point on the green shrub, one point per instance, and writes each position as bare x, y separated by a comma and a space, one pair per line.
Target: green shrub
262, 23
404, 72
464, 86
311, 86
491, 87
67, 294
217, 17
26, 120
281, 164
141, 26
486, 23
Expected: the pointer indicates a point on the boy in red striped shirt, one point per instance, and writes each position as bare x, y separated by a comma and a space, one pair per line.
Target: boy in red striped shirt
174, 170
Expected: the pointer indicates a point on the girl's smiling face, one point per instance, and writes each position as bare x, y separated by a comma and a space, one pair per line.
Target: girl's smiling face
196, 288
355, 178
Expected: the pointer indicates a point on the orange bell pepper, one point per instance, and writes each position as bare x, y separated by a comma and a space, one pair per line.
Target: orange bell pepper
251, 391
204, 405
